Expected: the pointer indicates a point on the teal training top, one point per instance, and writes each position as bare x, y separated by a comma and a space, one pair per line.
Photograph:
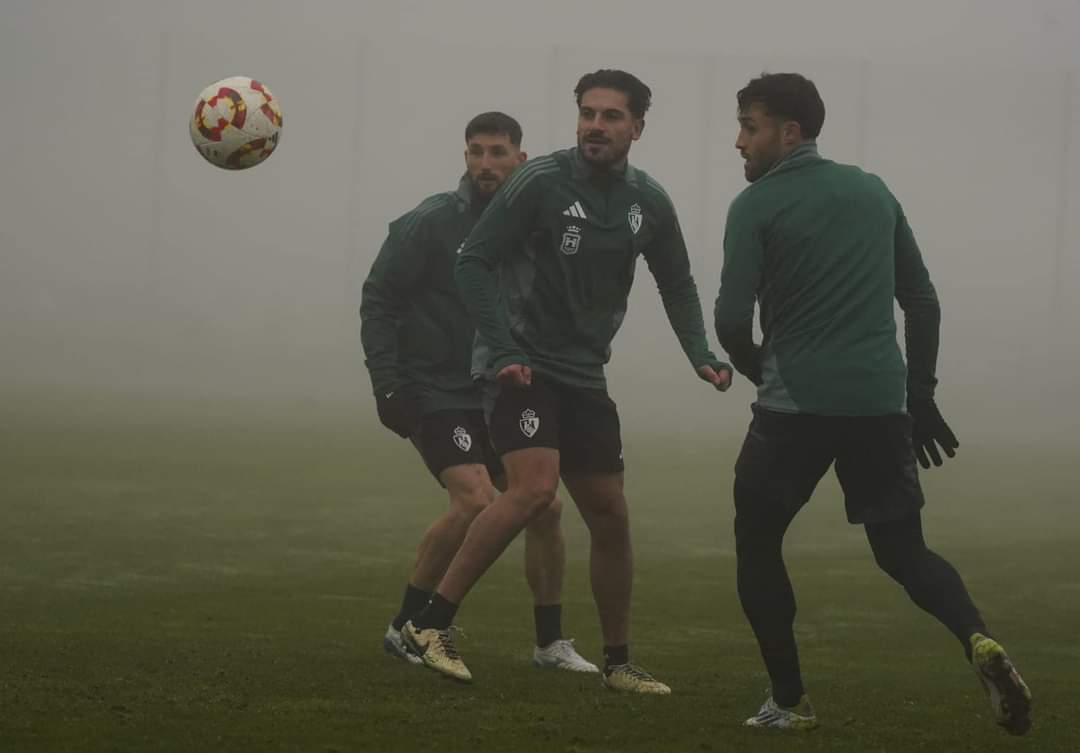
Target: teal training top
416, 334
547, 270
824, 249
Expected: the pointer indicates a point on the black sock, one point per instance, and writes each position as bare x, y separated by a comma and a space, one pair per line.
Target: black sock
438, 614
614, 655
548, 621
414, 601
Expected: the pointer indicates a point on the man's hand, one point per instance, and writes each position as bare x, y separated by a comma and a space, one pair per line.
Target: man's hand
515, 374
928, 428
717, 373
397, 412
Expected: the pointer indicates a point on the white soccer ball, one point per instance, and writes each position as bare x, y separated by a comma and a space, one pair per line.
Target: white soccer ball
236, 123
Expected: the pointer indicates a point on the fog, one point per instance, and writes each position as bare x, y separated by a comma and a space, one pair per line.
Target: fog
129, 265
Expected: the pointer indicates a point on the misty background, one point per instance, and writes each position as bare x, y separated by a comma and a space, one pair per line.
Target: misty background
130, 266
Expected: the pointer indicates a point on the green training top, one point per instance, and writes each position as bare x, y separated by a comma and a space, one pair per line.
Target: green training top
547, 270
824, 248
416, 333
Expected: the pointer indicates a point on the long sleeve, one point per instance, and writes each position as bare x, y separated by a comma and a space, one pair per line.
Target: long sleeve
502, 229
922, 313
385, 299
669, 264
740, 277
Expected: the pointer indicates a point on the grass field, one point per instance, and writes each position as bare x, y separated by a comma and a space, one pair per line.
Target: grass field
200, 577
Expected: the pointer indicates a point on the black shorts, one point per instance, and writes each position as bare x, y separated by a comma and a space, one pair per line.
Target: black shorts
455, 437
786, 454
582, 424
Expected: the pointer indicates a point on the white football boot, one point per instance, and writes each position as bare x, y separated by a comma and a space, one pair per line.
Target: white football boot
561, 654
394, 645
772, 715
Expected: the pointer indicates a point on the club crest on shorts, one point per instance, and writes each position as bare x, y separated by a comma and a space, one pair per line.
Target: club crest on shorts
634, 216
462, 439
529, 423
571, 240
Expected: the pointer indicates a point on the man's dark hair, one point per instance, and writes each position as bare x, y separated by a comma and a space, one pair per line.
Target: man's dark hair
494, 123
638, 96
788, 96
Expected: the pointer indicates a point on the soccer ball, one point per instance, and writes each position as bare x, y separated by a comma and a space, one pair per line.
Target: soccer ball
236, 123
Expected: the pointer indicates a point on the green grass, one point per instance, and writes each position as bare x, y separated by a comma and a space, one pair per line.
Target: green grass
203, 577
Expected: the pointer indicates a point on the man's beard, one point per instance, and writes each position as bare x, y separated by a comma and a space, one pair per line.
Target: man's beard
765, 161
481, 196
751, 172
615, 158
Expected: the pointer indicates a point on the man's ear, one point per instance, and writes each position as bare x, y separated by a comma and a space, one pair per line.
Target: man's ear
791, 133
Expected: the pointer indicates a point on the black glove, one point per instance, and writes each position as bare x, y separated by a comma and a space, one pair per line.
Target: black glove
397, 412
927, 428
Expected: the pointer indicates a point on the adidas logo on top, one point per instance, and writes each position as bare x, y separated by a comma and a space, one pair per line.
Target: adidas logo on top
575, 210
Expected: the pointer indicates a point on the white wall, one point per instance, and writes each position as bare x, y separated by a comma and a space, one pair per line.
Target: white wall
129, 262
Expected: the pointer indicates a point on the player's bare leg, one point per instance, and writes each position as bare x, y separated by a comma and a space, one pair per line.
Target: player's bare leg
600, 499
532, 478
545, 561
470, 491
545, 552
545, 555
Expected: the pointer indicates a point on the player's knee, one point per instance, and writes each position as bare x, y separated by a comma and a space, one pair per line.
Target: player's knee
550, 516
894, 551
607, 511
537, 496
757, 541
890, 561
469, 501
759, 530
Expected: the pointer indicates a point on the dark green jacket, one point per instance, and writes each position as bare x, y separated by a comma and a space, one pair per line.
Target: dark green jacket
415, 331
547, 270
825, 248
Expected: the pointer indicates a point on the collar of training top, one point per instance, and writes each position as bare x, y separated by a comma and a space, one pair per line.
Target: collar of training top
465, 190
580, 169
802, 153
467, 198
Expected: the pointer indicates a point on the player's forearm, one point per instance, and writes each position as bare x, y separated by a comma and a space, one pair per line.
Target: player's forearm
735, 333
740, 278
683, 308
379, 317
922, 321
478, 285
922, 313
922, 327
379, 339
380, 358
382, 369
745, 357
